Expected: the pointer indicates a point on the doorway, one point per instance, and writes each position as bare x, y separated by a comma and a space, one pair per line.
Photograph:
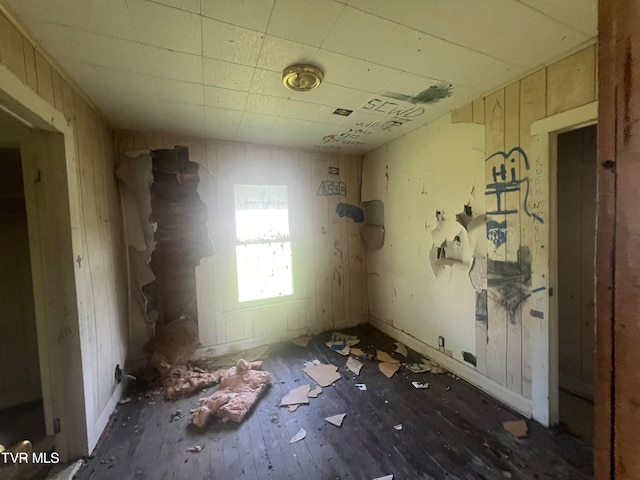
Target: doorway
576, 214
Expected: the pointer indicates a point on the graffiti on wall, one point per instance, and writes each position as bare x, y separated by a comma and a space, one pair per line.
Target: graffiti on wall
507, 183
328, 188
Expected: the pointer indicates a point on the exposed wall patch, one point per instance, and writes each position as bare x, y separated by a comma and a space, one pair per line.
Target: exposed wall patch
350, 211
469, 358
430, 95
536, 313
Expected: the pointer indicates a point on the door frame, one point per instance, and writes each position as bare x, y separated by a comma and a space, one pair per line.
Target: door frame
544, 340
52, 197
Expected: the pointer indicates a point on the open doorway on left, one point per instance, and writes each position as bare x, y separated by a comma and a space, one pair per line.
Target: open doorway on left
22, 415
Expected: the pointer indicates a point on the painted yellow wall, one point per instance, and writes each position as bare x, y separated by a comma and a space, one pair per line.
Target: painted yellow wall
442, 167
100, 322
331, 290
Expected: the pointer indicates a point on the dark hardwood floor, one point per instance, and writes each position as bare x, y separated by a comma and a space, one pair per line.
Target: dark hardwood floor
450, 431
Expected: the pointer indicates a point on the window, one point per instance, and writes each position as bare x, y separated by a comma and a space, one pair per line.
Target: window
263, 242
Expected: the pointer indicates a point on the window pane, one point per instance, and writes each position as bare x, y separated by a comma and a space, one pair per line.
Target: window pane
262, 212
264, 270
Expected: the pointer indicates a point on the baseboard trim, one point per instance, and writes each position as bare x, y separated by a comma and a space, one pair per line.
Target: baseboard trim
512, 400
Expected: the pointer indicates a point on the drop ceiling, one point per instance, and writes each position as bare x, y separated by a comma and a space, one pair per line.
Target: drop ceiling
212, 68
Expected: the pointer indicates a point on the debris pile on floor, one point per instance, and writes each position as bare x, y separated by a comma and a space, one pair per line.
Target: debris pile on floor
239, 389
169, 352
341, 343
425, 365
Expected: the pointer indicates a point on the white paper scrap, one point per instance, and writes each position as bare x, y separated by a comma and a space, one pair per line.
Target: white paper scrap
298, 436
336, 419
420, 385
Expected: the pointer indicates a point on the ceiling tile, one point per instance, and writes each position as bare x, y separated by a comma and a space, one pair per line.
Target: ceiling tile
290, 124
253, 14
221, 131
581, 15
252, 134
360, 35
97, 16
227, 75
307, 22
326, 115
353, 72
230, 43
166, 27
175, 65
264, 104
277, 54
178, 91
91, 78
66, 43
269, 83
184, 111
34, 9
300, 110
259, 120
333, 96
221, 115
225, 98
188, 5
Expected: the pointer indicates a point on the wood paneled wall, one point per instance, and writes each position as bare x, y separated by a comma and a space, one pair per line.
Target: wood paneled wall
98, 258
329, 249
517, 277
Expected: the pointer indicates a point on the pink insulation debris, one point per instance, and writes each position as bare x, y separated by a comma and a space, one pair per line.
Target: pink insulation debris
239, 389
180, 381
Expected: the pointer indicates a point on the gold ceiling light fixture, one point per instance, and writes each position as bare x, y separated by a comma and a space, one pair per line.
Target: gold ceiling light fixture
302, 78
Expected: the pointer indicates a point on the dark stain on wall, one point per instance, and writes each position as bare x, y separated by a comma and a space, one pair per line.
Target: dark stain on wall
469, 358
351, 211
510, 282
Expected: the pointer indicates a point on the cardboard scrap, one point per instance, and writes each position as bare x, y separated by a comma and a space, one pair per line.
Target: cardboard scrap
389, 369
354, 365
336, 419
385, 357
400, 348
315, 392
361, 386
324, 374
517, 428
296, 396
298, 436
420, 385
397, 427
302, 341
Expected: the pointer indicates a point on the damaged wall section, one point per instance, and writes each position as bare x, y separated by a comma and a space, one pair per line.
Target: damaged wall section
194, 211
